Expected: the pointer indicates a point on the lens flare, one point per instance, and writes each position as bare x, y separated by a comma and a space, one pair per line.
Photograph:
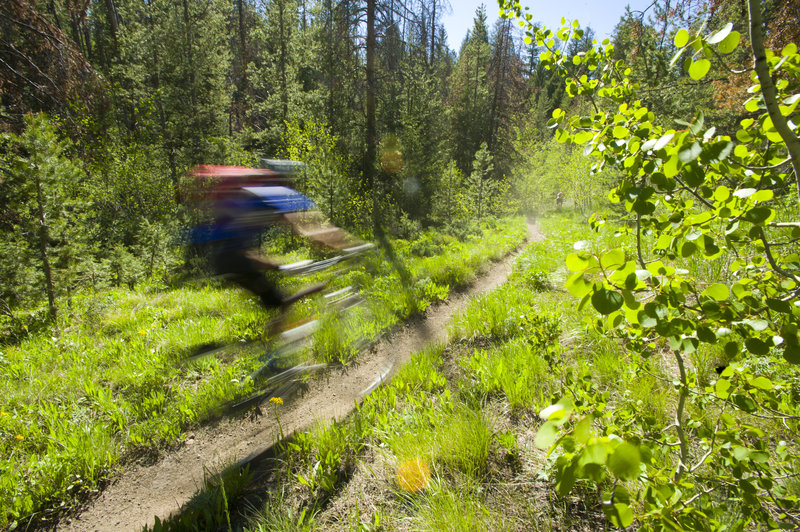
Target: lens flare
413, 475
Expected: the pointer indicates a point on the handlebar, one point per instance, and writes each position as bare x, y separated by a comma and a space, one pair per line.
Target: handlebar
309, 266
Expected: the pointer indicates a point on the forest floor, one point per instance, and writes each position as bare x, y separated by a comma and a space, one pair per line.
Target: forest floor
160, 487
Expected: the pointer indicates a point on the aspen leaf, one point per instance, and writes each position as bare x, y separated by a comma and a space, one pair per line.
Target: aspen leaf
681, 38
698, 69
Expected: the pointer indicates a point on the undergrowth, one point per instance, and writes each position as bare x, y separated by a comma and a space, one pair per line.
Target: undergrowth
456, 440
108, 383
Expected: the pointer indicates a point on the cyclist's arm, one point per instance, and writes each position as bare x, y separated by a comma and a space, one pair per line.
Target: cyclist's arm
313, 225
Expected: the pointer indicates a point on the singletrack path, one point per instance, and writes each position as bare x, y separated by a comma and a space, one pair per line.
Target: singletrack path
143, 491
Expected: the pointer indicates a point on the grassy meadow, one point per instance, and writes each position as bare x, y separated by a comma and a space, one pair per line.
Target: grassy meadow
108, 383
457, 442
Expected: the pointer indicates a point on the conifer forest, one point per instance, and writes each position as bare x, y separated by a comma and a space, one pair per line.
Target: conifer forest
553, 281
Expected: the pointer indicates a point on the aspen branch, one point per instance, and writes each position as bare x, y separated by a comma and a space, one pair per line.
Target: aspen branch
769, 91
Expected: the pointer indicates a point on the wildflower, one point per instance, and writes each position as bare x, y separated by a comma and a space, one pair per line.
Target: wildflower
20, 437
142, 331
276, 400
153, 326
3, 413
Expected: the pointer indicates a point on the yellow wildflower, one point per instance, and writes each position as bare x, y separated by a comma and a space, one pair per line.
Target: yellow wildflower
142, 331
3, 413
276, 400
20, 437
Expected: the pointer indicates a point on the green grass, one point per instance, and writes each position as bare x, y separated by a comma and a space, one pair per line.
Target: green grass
449, 444
79, 399
461, 414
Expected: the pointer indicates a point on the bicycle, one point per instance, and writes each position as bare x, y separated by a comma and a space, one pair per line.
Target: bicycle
289, 359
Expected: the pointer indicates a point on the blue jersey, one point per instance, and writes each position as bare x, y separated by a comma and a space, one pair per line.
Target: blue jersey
240, 218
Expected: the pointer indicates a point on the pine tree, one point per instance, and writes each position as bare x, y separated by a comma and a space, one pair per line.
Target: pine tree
43, 211
469, 98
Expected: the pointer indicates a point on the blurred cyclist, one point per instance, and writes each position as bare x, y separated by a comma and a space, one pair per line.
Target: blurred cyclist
244, 203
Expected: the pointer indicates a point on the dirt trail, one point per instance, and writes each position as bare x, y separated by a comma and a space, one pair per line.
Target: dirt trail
142, 492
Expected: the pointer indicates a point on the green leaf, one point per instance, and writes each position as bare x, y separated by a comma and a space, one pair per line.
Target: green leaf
693, 173
741, 453
792, 354
663, 141
741, 151
698, 69
577, 285
759, 215
595, 453
744, 192
582, 137
681, 38
730, 42
690, 153
762, 383
672, 166
620, 514
583, 430
621, 132
576, 263
722, 193
624, 461
687, 249
756, 346
613, 259
547, 434
566, 480
763, 195
607, 301
721, 388
704, 334
757, 325
716, 291
721, 34
744, 402
779, 306
646, 320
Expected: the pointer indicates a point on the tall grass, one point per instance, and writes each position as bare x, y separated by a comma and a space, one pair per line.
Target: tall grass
429, 435
76, 400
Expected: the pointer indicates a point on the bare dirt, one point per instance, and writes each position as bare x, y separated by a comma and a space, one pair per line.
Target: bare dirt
145, 491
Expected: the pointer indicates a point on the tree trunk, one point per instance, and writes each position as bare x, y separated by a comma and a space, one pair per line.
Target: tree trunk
112, 20
283, 59
371, 148
769, 91
433, 33
243, 56
499, 65
44, 238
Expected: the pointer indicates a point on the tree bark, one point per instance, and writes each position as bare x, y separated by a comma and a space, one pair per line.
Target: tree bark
112, 20
283, 59
371, 148
44, 238
769, 91
433, 33
242, 54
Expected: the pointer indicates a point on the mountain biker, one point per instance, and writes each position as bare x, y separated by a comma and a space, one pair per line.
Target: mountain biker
244, 203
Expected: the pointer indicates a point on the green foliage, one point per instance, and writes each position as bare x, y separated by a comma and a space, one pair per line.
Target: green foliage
112, 381
689, 192
516, 369
44, 207
325, 176
545, 168
505, 313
